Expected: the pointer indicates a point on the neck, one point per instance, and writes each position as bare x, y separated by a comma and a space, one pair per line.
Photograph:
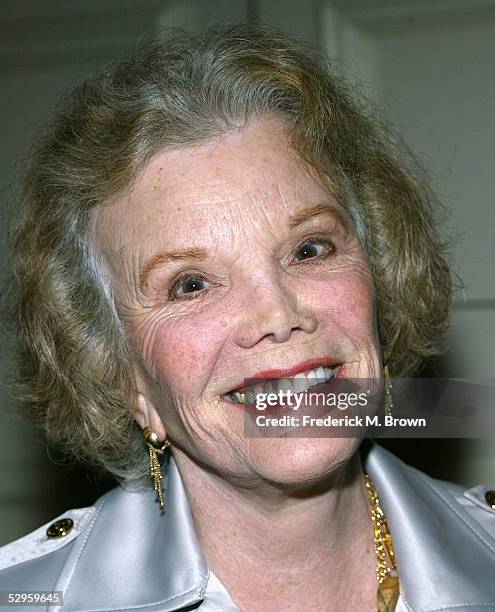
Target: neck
285, 550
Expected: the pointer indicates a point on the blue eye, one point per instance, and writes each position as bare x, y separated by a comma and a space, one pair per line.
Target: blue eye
187, 287
312, 250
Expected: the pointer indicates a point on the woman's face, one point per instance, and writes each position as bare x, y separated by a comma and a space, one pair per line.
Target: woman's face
227, 260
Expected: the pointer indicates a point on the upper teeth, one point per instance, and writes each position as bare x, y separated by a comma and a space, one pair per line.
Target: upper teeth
296, 384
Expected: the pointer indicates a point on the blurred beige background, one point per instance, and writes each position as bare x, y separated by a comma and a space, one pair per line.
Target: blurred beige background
430, 61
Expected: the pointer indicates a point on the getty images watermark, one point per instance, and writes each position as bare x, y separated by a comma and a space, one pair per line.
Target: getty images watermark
415, 408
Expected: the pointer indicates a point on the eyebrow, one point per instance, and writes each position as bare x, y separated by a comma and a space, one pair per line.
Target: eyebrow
197, 254
314, 211
201, 254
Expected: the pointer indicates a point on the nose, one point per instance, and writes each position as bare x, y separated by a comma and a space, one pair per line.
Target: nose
273, 312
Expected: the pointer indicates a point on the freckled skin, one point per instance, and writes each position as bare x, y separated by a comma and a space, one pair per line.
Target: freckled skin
258, 308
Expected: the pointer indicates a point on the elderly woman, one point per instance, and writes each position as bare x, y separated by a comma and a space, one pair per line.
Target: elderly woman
214, 210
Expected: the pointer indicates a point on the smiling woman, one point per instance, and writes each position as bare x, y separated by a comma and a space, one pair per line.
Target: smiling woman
218, 209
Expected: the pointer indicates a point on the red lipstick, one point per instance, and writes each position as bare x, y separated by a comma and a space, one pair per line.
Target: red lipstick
310, 364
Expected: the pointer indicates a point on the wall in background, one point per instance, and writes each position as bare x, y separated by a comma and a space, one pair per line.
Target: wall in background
432, 62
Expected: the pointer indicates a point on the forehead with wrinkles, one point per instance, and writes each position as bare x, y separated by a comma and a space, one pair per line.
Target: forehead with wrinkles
210, 194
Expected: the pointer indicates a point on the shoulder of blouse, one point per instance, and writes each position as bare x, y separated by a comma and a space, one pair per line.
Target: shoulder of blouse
443, 536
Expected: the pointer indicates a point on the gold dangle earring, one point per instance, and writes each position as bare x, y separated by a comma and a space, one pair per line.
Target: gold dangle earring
155, 448
388, 392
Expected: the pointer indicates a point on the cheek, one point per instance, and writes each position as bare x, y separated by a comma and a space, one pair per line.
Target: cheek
347, 302
184, 350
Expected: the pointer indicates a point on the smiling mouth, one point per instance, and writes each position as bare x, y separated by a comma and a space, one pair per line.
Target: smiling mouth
290, 385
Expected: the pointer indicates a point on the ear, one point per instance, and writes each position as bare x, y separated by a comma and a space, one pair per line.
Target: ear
146, 414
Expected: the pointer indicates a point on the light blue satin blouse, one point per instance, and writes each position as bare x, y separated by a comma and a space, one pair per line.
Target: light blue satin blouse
123, 554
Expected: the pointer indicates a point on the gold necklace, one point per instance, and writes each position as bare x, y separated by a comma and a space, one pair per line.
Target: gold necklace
386, 568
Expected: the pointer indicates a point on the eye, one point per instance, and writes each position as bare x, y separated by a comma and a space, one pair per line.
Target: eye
187, 287
313, 249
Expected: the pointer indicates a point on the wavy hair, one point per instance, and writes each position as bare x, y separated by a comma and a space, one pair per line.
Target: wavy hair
179, 89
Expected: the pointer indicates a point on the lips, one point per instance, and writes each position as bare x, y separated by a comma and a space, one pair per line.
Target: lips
296, 379
310, 364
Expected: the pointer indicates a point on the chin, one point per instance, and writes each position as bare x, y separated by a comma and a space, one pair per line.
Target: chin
300, 462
